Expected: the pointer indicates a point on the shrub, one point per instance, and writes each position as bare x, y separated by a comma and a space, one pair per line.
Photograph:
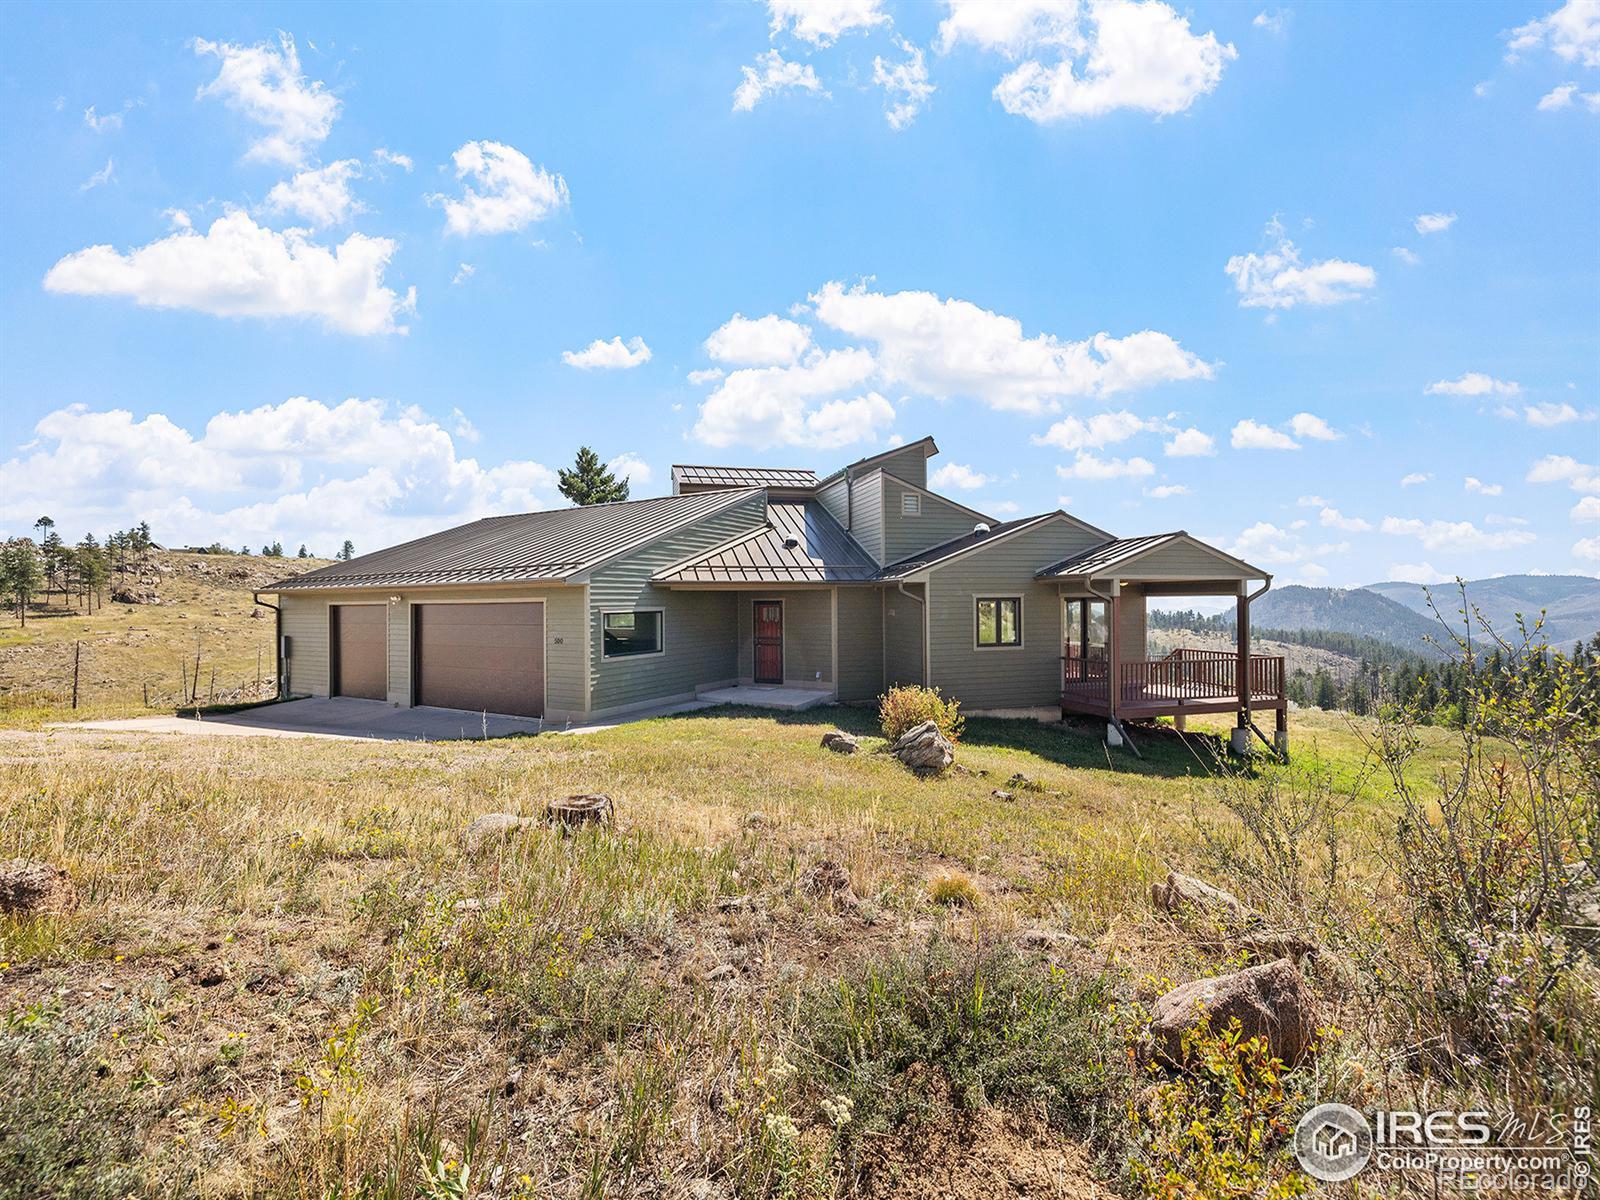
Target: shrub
953, 891
903, 707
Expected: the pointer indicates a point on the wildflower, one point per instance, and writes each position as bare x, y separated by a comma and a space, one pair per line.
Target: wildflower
838, 1110
782, 1069
781, 1127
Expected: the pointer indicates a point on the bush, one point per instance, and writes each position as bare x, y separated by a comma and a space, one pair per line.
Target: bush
903, 707
953, 891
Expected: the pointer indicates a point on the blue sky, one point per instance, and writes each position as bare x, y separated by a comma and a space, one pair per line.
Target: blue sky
1318, 283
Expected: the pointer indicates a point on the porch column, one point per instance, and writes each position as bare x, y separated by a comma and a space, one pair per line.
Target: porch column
1113, 666
1239, 740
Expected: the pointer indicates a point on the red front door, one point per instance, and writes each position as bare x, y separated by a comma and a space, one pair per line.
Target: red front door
769, 641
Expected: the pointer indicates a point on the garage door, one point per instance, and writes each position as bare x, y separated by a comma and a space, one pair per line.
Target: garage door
482, 657
361, 650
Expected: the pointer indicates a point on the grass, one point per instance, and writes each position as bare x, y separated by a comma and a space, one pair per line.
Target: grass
287, 943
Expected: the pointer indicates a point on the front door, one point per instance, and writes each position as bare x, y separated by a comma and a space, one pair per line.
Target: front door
769, 641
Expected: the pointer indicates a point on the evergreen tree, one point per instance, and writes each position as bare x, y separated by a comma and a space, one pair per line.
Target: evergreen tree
590, 482
347, 551
20, 576
302, 553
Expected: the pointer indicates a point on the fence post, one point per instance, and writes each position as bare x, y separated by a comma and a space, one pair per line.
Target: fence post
77, 651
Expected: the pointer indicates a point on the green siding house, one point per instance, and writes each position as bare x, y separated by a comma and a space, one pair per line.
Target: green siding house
774, 582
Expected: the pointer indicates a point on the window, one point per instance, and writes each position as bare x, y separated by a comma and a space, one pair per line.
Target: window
910, 504
1000, 621
627, 634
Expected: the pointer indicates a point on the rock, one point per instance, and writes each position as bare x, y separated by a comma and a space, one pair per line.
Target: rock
1271, 1002
492, 825
924, 748
209, 974
1000, 794
1048, 940
754, 820
840, 742
1185, 891
1268, 944
258, 614
720, 971
825, 878
585, 808
36, 888
129, 594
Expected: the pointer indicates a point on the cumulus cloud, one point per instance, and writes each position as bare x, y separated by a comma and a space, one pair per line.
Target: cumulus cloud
1473, 383
1434, 222
240, 269
1190, 443
631, 467
385, 157
1415, 478
1090, 466
608, 356
1277, 279
772, 73
905, 84
506, 192
101, 177
1252, 435
1424, 573
1459, 536
106, 122
463, 273
1332, 518
956, 475
1587, 548
1473, 484
1166, 491
1409, 257
1572, 32
1089, 60
822, 22
1564, 95
759, 342
1548, 415
264, 83
320, 195
1266, 544
1586, 509
1102, 429
1562, 468
1308, 425
797, 405
302, 470
1273, 22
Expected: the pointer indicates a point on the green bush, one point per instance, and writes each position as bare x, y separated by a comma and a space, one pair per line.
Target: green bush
903, 707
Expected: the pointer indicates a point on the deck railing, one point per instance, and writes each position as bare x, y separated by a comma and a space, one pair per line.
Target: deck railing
1184, 675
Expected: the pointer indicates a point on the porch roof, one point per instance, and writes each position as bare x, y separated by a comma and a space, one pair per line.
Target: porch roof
1164, 557
821, 552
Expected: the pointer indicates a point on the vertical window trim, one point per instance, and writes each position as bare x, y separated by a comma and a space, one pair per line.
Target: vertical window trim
621, 658
977, 635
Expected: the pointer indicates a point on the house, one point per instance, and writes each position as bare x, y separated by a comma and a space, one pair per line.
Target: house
842, 585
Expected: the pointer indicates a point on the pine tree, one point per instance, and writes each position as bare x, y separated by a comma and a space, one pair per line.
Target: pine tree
347, 551
302, 553
20, 576
590, 482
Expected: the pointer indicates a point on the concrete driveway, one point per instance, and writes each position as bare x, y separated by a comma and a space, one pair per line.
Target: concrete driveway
340, 717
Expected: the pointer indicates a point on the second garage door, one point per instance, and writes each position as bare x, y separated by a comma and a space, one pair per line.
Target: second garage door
360, 650
481, 657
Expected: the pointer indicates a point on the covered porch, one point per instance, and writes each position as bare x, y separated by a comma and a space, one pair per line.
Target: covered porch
1106, 670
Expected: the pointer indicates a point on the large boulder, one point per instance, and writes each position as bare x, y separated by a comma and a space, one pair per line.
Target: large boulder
840, 742
31, 888
1184, 891
924, 748
1271, 1002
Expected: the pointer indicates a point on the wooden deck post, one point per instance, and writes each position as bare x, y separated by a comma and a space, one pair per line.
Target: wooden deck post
1113, 665
1240, 739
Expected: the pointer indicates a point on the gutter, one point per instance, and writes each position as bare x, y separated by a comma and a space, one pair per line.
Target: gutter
277, 640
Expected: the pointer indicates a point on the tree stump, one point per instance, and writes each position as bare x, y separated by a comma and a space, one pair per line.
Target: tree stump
586, 808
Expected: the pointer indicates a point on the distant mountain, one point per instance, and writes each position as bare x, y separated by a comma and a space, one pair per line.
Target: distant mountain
1359, 611
1571, 603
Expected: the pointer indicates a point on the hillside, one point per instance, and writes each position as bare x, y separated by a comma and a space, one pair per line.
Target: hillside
188, 605
1344, 610
1571, 603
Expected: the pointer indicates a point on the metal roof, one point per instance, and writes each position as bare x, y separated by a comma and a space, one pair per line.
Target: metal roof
929, 449
519, 548
1106, 555
725, 477
936, 554
823, 552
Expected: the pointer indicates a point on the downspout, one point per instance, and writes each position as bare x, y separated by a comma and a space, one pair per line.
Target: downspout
922, 607
277, 639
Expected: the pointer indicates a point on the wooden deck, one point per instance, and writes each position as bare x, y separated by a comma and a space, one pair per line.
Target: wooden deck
1183, 683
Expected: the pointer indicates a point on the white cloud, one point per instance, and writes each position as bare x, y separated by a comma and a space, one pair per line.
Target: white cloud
1267, 544
1276, 279
772, 73
383, 156
265, 84
1434, 222
511, 193
1586, 509
300, 471
1252, 435
1308, 425
1587, 548
797, 405
1473, 383
1090, 60
956, 475
1561, 468
1473, 484
241, 269
952, 347
1420, 572
1101, 429
1504, 519
905, 83
321, 195
103, 176
608, 356
1166, 491
1311, 502
1571, 31
1454, 535
463, 273
822, 22
1548, 415
1089, 466
105, 122
1415, 478
1410, 258
631, 467
1004, 508
1272, 22
764, 341
1561, 97
1332, 518
1190, 443
709, 375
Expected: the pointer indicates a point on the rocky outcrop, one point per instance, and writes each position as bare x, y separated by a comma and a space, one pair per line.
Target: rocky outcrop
30, 888
1184, 891
924, 748
1271, 1002
840, 742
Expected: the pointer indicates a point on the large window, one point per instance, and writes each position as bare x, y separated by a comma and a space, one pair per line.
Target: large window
627, 634
1000, 621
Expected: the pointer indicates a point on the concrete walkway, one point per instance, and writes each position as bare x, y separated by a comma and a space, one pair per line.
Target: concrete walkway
339, 717
769, 695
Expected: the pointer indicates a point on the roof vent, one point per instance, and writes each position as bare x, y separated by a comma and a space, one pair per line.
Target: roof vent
981, 528
791, 543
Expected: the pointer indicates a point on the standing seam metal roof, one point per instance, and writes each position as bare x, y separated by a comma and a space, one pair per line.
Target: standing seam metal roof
935, 554
1106, 555
778, 477
520, 547
824, 552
